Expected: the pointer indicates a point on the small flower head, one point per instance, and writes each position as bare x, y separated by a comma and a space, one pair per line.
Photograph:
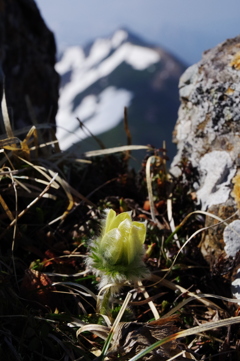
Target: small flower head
116, 256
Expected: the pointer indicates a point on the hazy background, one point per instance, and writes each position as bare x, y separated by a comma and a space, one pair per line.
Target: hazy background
186, 28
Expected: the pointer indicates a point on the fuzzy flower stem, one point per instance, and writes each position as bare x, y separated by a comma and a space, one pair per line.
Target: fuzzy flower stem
104, 305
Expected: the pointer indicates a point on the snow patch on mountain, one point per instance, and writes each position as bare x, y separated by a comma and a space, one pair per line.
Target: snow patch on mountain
72, 57
98, 113
118, 37
104, 57
138, 57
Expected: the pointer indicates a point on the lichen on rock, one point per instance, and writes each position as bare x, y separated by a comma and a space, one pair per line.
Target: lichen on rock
209, 115
207, 133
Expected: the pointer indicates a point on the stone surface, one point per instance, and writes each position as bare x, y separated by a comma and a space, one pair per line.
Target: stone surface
207, 133
27, 59
231, 236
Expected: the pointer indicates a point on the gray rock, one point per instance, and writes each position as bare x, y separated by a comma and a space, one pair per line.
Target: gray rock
216, 169
207, 133
209, 115
208, 126
231, 237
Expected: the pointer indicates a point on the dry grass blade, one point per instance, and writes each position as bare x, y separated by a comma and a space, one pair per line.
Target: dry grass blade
150, 303
173, 235
200, 295
186, 242
171, 220
87, 293
43, 145
126, 127
192, 331
94, 153
127, 131
37, 180
5, 159
66, 156
205, 214
114, 326
66, 189
12, 173
149, 188
24, 148
8, 142
65, 275
6, 209
69, 190
104, 331
15, 224
183, 290
25, 130
42, 171
105, 288
150, 192
87, 130
99, 330
7, 172
5, 115
30, 205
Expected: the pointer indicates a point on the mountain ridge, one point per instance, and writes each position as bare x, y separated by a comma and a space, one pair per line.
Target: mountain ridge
114, 73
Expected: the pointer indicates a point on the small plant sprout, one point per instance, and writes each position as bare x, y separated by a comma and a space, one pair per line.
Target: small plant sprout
116, 256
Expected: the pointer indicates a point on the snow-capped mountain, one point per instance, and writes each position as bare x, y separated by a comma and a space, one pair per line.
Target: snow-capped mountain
98, 81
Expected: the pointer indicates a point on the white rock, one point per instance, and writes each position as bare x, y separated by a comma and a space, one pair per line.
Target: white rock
216, 170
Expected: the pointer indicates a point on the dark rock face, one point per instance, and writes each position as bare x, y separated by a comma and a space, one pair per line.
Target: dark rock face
27, 59
207, 133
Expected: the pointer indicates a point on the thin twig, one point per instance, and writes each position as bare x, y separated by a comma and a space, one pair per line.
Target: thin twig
150, 303
30, 205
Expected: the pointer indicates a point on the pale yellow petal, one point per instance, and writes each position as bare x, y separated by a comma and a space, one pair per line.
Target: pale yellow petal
112, 246
111, 215
125, 230
139, 230
135, 241
120, 218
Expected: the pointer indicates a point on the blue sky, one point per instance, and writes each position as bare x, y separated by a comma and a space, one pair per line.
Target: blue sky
184, 27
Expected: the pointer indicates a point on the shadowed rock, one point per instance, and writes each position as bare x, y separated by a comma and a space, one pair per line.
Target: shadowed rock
27, 59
